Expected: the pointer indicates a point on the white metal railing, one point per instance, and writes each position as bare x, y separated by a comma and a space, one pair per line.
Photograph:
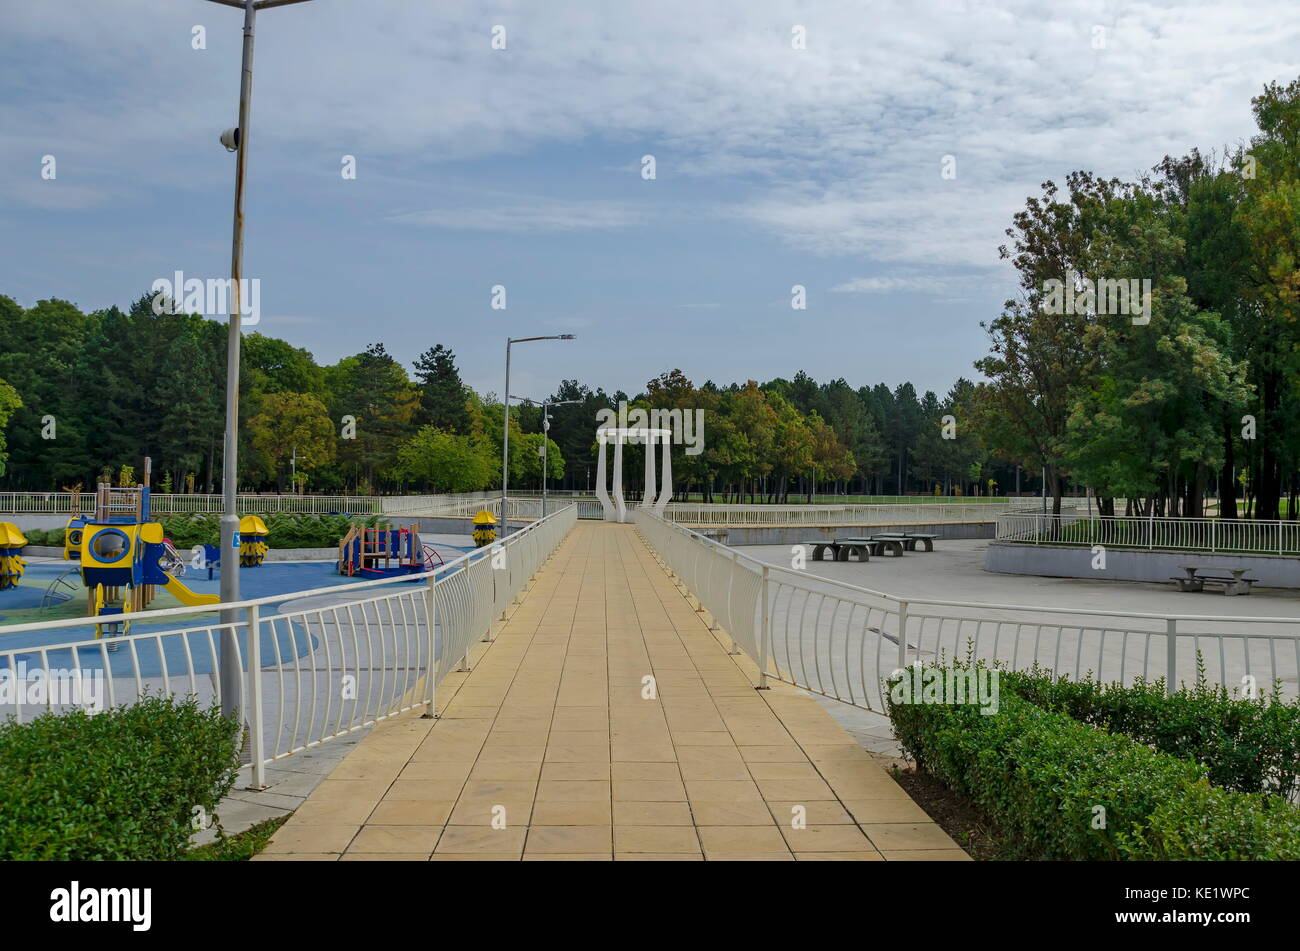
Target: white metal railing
309, 673
526, 504
1251, 536
884, 514
164, 503
843, 641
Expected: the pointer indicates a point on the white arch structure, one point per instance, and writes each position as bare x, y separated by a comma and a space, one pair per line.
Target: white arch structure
615, 509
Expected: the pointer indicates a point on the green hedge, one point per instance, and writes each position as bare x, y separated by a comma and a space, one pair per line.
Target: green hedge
1041, 776
120, 784
1246, 745
286, 530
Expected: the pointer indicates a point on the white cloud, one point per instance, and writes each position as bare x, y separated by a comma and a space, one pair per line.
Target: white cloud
890, 285
528, 215
834, 149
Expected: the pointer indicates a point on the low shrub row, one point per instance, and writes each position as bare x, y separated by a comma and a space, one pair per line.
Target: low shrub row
125, 783
286, 530
1059, 788
1250, 745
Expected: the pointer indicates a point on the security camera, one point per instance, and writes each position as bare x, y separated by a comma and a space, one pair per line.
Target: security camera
230, 139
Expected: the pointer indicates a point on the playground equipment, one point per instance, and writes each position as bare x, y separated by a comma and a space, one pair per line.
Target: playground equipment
252, 541
362, 549
60, 589
124, 557
485, 530
11, 555
430, 554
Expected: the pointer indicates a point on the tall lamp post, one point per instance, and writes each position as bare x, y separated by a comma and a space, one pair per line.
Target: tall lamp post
235, 140
546, 433
505, 441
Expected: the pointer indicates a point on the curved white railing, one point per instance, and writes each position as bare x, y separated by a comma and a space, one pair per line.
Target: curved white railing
330, 661
825, 515
842, 640
174, 503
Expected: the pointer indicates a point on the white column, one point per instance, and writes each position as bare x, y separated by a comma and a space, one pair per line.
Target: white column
648, 497
666, 482
602, 493
621, 513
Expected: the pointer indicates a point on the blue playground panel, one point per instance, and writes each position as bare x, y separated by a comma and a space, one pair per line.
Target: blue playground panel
269, 580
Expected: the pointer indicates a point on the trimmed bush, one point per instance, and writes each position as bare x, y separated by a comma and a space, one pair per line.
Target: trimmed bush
1246, 745
314, 531
52, 538
286, 530
1211, 824
1048, 780
120, 784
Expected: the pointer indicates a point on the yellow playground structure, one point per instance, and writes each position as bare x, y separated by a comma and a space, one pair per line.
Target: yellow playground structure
124, 557
12, 541
252, 541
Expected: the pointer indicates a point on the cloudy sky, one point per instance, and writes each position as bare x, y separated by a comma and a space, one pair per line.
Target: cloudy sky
522, 167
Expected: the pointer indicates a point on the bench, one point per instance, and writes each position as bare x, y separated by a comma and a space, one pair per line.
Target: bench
914, 537
879, 543
1233, 584
841, 549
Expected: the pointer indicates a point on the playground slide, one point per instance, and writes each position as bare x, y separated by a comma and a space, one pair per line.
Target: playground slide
185, 596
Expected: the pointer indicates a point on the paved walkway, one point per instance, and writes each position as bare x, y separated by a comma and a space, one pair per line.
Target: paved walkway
555, 747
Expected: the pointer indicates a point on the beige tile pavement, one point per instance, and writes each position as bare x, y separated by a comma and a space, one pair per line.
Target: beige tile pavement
605, 721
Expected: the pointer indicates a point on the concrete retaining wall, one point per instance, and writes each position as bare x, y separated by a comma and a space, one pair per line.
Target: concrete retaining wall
1124, 564
41, 522
797, 534
42, 551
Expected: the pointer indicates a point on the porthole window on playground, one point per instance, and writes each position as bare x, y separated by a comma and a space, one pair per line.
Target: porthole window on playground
109, 545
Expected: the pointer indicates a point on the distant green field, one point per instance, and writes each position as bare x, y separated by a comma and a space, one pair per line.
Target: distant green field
866, 499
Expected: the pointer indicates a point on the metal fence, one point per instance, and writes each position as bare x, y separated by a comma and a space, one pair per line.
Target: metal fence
171, 503
1258, 536
842, 641
310, 672
884, 514
526, 504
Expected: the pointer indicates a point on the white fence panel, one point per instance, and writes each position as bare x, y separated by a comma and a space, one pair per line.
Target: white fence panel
843, 641
309, 674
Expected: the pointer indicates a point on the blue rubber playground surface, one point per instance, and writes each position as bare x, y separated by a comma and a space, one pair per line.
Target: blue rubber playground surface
21, 605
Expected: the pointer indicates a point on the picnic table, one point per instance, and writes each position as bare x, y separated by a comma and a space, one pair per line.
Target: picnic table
896, 542
861, 549
1194, 580
879, 543
915, 538
840, 549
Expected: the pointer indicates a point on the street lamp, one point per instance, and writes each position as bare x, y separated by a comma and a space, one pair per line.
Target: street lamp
505, 441
237, 141
546, 433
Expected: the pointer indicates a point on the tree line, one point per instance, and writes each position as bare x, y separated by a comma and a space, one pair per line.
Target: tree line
83, 395
1193, 390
